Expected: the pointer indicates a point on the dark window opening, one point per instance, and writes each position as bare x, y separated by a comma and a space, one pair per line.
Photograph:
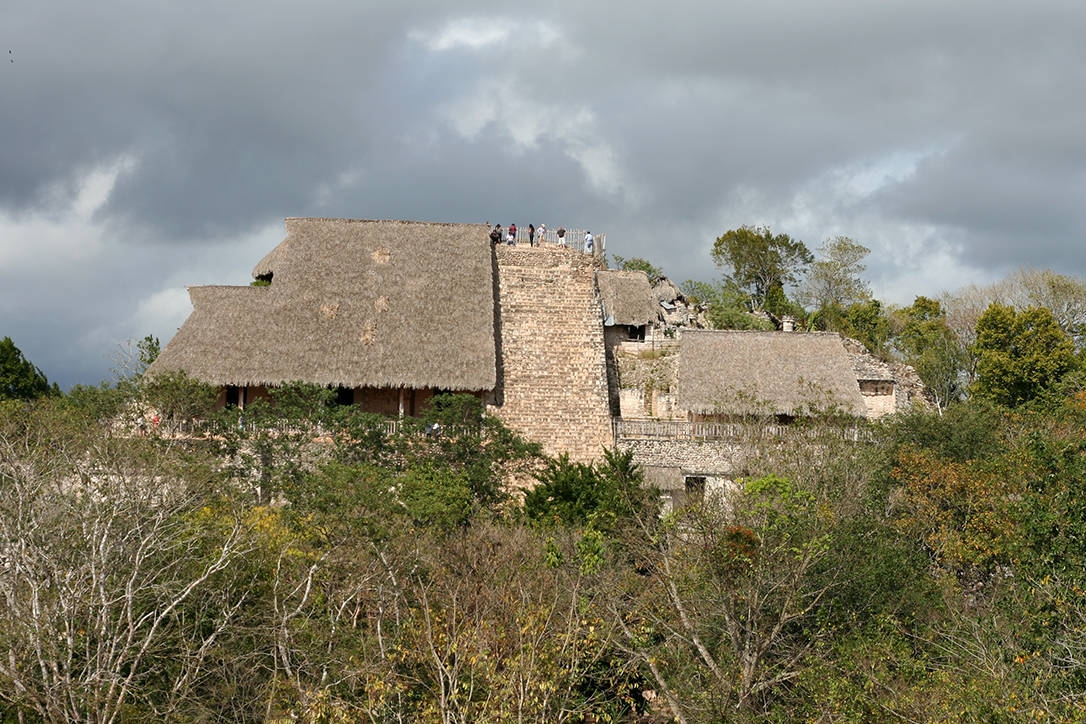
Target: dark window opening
232, 395
871, 388
344, 395
637, 334
695, 489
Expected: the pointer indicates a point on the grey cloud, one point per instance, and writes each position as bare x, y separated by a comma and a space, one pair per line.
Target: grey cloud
706, 116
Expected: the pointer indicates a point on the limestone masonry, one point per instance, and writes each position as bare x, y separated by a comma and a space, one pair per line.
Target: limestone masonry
552, 371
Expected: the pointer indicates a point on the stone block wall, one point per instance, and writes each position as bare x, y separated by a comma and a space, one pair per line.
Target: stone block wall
552, 369
696, 457
880, 397
907, 387
669, 464
631, 403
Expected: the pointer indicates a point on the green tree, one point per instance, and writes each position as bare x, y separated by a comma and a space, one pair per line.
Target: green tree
470, 442
1064, 296
436, 497
927, 343
638, 264
19, 378
1020, 354
870, 324
969, 431
756, 260
1054, 504
698, 292
272, 441
147, 351
995, 495
735, 588
836, 277
178, 397
867, 322
574, 494
728, 306
779, 305
725, 317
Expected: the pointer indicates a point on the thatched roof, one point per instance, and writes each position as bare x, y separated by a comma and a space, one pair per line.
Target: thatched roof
351, 303
734, 371
668, 291
627, 297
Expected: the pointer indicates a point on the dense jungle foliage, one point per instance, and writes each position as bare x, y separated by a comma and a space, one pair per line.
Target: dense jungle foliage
307, 562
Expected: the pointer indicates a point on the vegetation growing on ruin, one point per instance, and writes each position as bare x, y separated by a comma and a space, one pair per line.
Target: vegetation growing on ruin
305, 561
313, 563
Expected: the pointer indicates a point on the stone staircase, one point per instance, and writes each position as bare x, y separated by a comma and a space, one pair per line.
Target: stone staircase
552, 372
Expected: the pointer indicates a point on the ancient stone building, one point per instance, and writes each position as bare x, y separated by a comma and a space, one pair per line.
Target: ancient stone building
389, 312
574, 356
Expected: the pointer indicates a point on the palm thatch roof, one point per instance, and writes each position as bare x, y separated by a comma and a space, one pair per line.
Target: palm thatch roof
668, 291
765, 372
351, 303
627, 297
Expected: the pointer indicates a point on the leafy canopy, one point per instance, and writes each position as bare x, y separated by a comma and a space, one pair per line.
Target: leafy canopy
19, 378
571, 493
728, 307
756, 260
1020, 354
638, 264
867, 322
928, 344
836, 277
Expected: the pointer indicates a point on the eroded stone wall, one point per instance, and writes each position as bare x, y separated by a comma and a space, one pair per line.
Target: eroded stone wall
670, 464
702, 457
880, 396
552, 371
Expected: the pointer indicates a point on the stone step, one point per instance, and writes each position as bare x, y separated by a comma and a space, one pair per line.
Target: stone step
554, 375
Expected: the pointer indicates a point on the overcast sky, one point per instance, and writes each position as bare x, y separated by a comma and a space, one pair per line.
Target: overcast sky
147, 146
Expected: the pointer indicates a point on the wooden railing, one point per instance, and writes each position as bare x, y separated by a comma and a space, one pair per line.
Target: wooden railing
626, 429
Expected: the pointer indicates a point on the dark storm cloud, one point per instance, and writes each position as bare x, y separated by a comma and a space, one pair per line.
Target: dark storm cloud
924, 129
230, 111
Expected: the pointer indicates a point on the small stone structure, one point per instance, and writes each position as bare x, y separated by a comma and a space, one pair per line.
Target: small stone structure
887, 387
